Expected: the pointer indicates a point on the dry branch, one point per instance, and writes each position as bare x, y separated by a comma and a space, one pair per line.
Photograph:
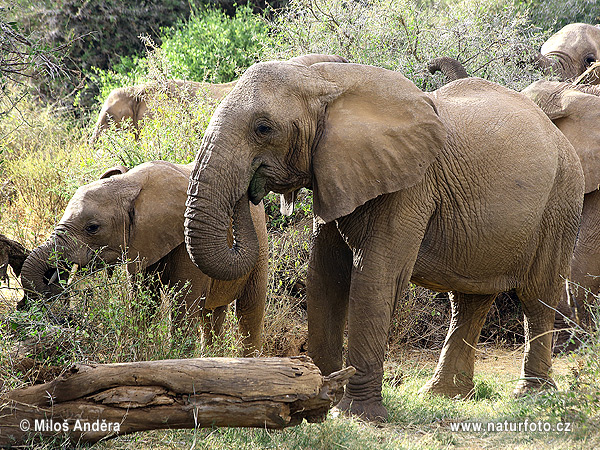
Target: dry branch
89, 403
590, 76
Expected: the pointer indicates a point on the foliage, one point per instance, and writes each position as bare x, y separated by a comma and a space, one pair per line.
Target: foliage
492, 39
44, 157
95, 33
210, 46
214, 47
555, 14
22, 59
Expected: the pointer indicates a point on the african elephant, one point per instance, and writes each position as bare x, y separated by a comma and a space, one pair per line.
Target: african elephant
137, 215
575, 110
468, 189
130, 102
571, 50
12, 254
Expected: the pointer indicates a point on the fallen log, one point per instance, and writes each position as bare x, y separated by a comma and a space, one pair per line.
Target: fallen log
93, 402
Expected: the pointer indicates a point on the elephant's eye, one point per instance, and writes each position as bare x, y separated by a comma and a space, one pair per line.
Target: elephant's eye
262, 129
92, 228
589, 60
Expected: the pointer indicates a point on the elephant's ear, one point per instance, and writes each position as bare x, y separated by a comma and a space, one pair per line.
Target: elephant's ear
157, 212
575, 110
380, 135
116, 170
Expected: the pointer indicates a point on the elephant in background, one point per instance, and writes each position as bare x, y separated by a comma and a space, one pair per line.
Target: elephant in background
571, 50
408, 186
137, 216
12, 254
575, 110
130, 102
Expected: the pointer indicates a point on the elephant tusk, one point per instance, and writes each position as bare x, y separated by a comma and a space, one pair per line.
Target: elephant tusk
72, 273
53, 277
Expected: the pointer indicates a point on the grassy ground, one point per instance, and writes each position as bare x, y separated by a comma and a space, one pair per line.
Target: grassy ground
415, 422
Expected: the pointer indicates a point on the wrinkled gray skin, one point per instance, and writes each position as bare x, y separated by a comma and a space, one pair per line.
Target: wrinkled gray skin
12, 254
138, 215
570, 51
468, 189
575, 110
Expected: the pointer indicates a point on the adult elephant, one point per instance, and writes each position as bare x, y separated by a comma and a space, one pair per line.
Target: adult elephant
130, 103
468, 189
137, 216
571, 50
575, 110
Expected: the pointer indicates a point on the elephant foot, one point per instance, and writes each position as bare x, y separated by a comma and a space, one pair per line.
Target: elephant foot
462, 387
528, 386
370, 410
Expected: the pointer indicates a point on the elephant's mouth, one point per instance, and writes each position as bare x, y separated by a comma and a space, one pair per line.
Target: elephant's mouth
263, 182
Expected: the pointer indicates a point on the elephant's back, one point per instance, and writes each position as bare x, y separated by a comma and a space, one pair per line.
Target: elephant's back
497, 177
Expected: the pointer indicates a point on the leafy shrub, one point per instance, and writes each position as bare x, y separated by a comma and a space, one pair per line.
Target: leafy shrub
492, 39
555, 14
96, 33
214, 47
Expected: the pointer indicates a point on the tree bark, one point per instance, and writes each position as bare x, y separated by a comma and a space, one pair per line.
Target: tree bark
93, 402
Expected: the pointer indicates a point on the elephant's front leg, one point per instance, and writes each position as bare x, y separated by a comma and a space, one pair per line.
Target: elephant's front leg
250, 310
454, 373
327, 290
212, 327
372, 301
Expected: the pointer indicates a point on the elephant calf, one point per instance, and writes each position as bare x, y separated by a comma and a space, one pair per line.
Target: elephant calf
130, 102
12, 254
138, 215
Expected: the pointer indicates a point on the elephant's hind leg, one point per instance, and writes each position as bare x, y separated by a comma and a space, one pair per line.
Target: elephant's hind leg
454, 373
537, 360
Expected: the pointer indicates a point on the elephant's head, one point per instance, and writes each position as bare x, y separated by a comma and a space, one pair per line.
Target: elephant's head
575, 110
136, 213
570, 51
121, 104
12, 254
350, 132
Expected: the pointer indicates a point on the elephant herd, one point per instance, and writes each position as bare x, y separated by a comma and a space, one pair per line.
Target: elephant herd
470, 189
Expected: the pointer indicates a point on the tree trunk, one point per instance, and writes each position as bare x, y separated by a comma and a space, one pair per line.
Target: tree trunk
93, 402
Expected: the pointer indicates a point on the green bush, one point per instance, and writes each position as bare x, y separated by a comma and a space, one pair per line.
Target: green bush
210, 46
214, 47
555, 14
491, 38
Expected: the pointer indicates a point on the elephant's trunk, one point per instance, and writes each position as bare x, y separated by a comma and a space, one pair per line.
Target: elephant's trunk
37, 273
218, 200
554, 63
450, 67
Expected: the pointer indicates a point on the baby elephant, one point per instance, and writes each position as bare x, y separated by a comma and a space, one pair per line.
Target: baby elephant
137, 216
131, 102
